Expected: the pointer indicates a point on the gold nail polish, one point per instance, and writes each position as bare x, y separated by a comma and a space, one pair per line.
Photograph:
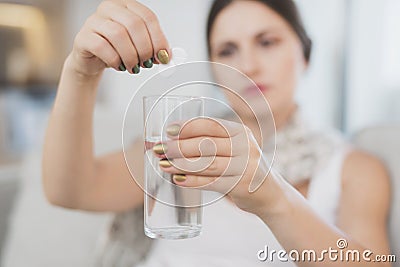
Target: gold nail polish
173, 130
179, 177
163, 56
160, 149
165, 163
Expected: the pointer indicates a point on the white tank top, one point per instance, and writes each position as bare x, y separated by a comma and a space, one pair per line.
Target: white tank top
232, 237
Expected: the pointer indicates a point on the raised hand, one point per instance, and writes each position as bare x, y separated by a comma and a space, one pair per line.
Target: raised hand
121, 34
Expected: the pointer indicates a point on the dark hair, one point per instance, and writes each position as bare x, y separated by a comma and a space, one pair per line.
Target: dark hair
287, 9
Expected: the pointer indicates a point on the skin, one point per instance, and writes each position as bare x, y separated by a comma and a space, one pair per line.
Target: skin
269, 52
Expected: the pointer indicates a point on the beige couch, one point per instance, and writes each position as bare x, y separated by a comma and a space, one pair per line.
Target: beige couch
41, 235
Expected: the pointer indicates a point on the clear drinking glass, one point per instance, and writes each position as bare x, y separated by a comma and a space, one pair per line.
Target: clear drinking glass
171, 211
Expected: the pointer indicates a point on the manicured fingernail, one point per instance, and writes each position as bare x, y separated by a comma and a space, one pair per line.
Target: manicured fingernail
122, 67
179, 177
165, 163
160, 149
148, 63
173, 130
163, 56
136, 69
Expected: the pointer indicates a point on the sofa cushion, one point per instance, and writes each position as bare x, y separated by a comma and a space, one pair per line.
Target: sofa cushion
42, 235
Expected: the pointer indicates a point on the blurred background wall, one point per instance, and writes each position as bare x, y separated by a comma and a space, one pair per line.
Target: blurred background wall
353, 75
353, 81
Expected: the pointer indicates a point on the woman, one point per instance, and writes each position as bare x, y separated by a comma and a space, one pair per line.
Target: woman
314, 208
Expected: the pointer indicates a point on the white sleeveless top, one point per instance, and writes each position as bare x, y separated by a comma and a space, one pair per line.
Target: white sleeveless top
232, 237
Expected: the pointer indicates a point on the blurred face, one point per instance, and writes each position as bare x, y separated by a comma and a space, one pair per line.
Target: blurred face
254, 39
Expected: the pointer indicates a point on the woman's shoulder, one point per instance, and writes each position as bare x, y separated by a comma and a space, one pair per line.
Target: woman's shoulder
365, 194
365, 180
362, 166
359, 166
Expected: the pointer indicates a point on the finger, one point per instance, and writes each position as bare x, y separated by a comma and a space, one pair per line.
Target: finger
157, 37
200, 146
119, 38
134, 25
96, 45
222, 185
205, 166
205, 127
204, 146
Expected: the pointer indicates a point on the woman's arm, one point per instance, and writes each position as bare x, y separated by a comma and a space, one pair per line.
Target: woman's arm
365, 201
362, 216
72, 176
237, 160
68, 160
121, 35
